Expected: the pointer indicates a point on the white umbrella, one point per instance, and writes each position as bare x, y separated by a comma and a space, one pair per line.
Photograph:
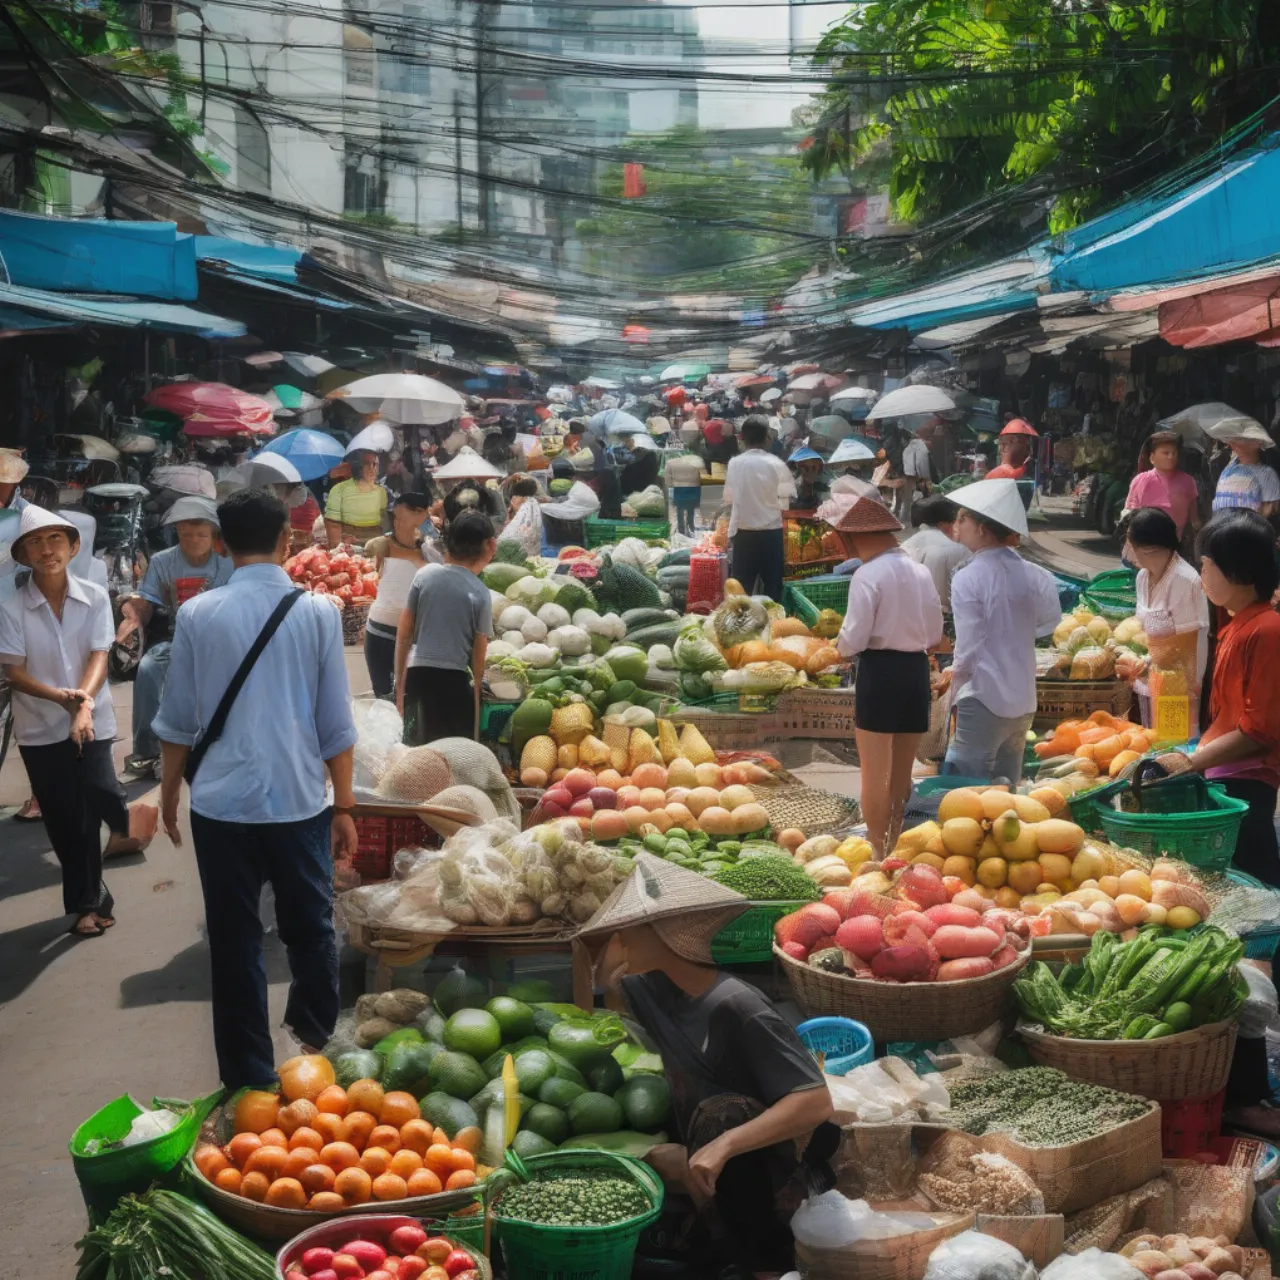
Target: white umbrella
402, 397
467, 465
1216, 419
850, 451
616, 422
185, 477
269, 468
94, 446
377, 437
814, 382
768, 397
909, 400
853, 393
601, 384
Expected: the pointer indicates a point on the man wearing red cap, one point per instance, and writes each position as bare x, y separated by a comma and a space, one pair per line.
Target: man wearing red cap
1015, 450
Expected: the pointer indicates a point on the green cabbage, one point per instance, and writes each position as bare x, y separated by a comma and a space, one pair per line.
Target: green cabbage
628, 663
693, 651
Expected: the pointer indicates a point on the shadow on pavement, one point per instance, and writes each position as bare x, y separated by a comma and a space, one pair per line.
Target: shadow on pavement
26, 952
28, 863
187, 976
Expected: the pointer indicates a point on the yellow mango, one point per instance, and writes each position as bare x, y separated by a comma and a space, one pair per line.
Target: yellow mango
914, 839
1029, 809
963, 835
929, 860
992, 872
1054, 867
963, 802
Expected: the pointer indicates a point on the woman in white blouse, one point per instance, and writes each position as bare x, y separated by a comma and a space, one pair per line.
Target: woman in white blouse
893, 619
1172, 609
1001, 604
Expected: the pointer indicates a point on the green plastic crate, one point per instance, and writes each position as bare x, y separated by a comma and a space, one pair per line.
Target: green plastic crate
532, 1251
601, 533
749, 938
494, 717
1206, 840
806, 598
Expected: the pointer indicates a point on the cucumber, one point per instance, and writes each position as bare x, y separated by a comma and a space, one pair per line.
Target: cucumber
634, 619
665, 632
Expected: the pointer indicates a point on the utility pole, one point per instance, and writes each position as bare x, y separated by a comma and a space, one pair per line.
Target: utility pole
482, 180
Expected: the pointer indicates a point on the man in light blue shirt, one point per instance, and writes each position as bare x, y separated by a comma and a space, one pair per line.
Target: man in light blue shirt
259, 807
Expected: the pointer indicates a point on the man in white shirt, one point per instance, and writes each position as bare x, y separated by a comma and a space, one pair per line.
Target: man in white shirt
915, 469
935, 546
757, 488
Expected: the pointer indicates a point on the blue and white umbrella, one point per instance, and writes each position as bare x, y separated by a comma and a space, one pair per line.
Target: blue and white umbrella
313, 453
616, 422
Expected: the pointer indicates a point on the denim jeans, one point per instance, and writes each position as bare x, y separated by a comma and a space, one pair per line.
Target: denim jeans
986, 745
148, 686
236, 859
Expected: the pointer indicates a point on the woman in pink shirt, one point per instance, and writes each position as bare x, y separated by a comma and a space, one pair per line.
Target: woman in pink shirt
1163, 485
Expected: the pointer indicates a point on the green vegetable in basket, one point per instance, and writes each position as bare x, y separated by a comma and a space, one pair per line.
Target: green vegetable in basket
769, 879
161, 1233
577, 1199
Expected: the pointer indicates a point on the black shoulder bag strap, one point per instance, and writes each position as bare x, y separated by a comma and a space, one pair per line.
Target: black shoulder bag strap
219, 721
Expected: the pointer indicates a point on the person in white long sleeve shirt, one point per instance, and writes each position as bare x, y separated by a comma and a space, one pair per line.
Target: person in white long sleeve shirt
757, 487
892, 620
1001, 604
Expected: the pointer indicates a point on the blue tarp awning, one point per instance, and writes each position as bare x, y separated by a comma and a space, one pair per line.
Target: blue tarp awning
1002, 287
127, 313
1225, 221
13, 322
265, 261
94, 255
296, 293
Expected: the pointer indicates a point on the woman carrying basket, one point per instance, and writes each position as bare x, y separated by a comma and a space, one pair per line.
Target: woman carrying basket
750, 1111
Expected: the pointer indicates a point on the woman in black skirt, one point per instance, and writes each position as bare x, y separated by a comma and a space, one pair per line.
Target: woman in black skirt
893, 619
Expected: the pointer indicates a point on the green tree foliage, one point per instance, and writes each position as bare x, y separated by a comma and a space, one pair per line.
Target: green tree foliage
1031, 113
713, 217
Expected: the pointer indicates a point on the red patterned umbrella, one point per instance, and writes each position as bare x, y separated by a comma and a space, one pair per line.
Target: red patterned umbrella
213, 401
207, 426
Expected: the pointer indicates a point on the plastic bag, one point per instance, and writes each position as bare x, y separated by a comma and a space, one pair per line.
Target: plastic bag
1261, 1010
579, 502
831, 1221
150, 1124
875, 1162
887, 1089
379, 729
1092, 1264
973, 1256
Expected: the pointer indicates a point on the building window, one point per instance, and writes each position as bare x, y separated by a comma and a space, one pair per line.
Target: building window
253, 153
359, 59
364, 188
406, 61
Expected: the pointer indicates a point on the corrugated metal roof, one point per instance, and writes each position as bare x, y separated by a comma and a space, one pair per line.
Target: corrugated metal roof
127, 313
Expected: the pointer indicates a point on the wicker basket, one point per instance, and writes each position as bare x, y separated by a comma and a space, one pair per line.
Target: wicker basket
1058, 700
1192, 1064
354, 616
816, 713
1038, 1236
904, 1010
897, 1258
730, 731
378, 1226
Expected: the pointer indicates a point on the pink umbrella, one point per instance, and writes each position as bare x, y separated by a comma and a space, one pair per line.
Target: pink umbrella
215, 400
208, 426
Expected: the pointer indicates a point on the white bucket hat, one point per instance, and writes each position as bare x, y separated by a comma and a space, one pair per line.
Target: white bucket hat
998, 500
34, 518
193, 508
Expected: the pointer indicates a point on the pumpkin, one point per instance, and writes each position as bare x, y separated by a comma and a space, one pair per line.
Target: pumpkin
306, 1076
821, 659
753, 651
788, 627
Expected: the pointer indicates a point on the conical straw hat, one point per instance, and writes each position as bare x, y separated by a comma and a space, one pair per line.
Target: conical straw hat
868, 515
686, 909
998, 500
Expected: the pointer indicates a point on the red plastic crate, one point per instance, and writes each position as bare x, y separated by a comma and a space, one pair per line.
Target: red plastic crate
1190, 1126
379, 837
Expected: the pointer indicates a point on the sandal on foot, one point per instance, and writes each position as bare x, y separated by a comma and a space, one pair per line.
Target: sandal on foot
96, 931
30, 812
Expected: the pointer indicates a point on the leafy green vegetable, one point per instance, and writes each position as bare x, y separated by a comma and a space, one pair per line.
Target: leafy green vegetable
769, 879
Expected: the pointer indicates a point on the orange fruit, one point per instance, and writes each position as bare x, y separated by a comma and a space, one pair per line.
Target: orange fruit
240, 1148
386, 1136
424, 1183
333, 1100
287, 1193
397, 1108
468, 1139
366, 1095
439, 1158
253, 1186
375, 1161
439, 1136
274, 1138
256, 1111
340, 1155
307, 1137
228, 1180
326, 1202
298, 1160
211, 1161
416, 1135
460, 1178
296, 1114
405, 1163
269, 1160
353, 1185
317, 1177
462, 1159
330, 1127
359, 1125
390, 1186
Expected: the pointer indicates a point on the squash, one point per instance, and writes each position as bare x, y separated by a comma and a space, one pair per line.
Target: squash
788, 627
1105, 752
821, 659
306, 1076
1121, 761
753, 651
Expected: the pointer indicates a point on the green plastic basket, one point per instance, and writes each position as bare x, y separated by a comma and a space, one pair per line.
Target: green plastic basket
1206, 840
494, 717
105, 1176
601, 533
806, 598
532, 1251
749, 938
1084, 806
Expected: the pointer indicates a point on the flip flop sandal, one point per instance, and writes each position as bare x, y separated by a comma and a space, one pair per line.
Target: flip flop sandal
30, 812
96, 932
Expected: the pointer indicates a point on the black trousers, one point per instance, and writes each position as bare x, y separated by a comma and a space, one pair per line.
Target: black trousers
77, 791
1257, 855
758, 553
439, 702
380, 658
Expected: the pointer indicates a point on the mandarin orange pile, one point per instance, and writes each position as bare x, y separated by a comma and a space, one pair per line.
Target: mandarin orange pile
343, 1147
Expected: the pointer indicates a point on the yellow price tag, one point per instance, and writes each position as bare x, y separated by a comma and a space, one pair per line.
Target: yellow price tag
1173, 719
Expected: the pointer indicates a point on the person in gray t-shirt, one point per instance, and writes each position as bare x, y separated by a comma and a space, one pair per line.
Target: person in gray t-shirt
443, 636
